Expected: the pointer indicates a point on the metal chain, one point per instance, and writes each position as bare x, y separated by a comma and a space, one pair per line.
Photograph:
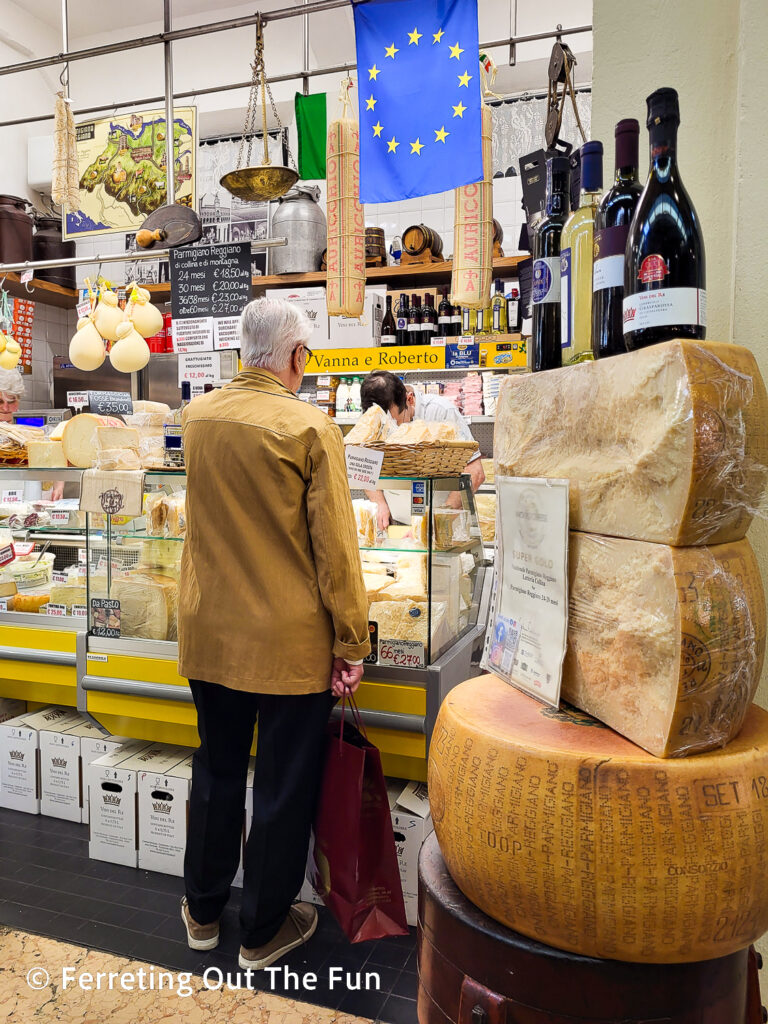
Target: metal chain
250, 131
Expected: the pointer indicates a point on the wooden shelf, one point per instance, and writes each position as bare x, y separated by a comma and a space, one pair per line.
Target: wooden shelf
42, 291
410, 276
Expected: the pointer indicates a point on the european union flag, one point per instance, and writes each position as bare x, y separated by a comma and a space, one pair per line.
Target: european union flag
419, 84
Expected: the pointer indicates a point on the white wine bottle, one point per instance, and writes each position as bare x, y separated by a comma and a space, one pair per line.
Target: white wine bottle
576, 259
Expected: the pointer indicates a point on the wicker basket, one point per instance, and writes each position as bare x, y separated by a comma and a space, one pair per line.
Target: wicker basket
432, 458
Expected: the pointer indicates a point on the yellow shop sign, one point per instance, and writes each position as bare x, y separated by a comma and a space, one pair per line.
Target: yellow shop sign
389, 357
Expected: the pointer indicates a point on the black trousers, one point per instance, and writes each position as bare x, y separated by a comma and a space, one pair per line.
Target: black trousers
289, 758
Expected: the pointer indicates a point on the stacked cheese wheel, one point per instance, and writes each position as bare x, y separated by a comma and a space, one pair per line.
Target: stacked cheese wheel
568, 832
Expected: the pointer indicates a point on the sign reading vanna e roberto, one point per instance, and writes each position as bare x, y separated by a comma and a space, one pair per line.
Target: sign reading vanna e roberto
504, 354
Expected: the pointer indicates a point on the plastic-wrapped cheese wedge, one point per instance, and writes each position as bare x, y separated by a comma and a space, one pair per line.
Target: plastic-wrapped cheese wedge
148, 603
667, 444
564, 831
665, 645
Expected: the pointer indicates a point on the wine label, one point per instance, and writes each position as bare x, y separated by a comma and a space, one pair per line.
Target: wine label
608, 268
496, 319
414, 327
566, 317
388, 339
665, 307
444, 319
513, 307
546, 280
402, 323
653, 268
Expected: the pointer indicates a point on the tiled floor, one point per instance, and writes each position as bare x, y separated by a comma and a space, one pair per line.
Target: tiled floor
49, 886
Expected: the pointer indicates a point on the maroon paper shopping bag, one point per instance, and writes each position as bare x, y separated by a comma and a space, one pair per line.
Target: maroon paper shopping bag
355, 866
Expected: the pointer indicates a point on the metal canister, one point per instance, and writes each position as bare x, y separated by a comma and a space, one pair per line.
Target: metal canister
15, 230
48, 244
300, 219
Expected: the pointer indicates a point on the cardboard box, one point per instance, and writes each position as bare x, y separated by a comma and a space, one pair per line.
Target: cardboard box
312, 302
94, 743
10, 708
163, 807
20, 756
113, 787
365, 332
61, 786
411, 824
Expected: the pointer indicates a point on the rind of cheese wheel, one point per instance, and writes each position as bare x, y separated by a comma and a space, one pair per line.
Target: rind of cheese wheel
372, 426
563, 830
665, 644
58, 431
80, 437
148, 604
666, 444
117, 437
46, 455
417, 432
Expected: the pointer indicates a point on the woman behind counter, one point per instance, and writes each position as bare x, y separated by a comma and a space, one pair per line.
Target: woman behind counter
11, 392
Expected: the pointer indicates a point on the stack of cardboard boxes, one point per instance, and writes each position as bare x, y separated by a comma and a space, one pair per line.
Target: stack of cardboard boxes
337, 331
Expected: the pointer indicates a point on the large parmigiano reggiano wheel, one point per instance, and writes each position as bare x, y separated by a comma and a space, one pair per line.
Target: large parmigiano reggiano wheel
80, 438
561, 829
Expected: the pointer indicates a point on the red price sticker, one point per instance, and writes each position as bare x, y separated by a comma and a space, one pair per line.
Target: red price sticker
56, 609
402, 653
79, 611
59, 517
21, 550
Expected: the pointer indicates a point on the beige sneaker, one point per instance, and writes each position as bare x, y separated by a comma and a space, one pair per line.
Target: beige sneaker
199, 936
299, 926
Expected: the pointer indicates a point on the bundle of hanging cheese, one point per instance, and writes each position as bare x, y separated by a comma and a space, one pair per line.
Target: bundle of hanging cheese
473, 232
346, 223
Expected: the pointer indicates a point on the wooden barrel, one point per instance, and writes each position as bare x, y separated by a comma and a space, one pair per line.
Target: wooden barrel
418, 238
472, 970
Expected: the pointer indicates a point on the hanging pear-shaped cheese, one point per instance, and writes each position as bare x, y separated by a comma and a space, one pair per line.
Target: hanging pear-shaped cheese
3, 341
130, 352
147, 319
108, 316
11, 354
86, 349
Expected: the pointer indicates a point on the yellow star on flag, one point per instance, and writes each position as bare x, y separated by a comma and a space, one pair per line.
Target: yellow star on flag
459, 110
442, 135
464, 79
373, 72
377, 129
391, 51
414, 37
438, 36
370, 103
392, 145
416, 147
456, 51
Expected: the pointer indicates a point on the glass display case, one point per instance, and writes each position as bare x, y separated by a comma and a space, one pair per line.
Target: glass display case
422, 577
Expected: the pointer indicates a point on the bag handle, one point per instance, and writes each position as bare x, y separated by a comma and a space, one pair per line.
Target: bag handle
356, 716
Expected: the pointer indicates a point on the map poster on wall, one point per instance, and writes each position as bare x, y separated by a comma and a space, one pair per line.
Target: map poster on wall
121, 161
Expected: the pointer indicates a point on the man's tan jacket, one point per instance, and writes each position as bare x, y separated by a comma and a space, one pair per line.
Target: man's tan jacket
271, 583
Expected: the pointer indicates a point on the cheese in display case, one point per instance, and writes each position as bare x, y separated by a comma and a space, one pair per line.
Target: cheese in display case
423, 585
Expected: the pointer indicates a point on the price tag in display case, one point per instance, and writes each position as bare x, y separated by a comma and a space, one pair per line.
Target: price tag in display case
13, 495
105, 618
363, 466
77, 399
23, 548
60, 518
402, 653
56, 609
79, 611
110, 403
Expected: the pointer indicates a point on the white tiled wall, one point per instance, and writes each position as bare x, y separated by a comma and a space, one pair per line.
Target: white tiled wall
101, 245
436, 212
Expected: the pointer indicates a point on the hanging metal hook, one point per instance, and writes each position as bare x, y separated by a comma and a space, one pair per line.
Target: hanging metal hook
61, 77
2, 283
27, 288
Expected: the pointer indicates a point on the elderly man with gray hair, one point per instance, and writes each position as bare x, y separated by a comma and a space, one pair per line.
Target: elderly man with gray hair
273, 626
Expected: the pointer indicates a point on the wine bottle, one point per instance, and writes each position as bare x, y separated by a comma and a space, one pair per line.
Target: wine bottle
499, 309
576, 258
455, 321
664, 274
428, 319
414, 321
401, 322
545, 293
388, 326
513, 310
444, 316
612, 220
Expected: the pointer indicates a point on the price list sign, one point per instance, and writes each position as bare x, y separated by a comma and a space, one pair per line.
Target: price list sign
210, 286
